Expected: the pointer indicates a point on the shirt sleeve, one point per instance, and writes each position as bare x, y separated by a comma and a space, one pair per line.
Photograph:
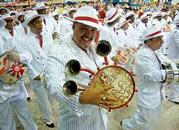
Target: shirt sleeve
149, 69
56, 79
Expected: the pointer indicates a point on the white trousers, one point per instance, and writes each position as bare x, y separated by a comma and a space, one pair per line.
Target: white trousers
7, 121
143, 119
43, 99
174, 95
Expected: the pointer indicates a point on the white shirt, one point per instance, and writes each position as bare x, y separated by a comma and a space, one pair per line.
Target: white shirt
86, 117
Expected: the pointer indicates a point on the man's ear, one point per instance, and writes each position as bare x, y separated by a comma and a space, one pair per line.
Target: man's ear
73, 27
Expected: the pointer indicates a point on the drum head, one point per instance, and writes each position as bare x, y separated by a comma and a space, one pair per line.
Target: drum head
121, 80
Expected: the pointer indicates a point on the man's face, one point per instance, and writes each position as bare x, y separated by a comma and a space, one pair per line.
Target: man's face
83, 34
71, 13
3, 11
36, 26
155, 43
42, 11
21, 18
56, 17
125, 26
145, 20
159, 18
131, 18
9, 24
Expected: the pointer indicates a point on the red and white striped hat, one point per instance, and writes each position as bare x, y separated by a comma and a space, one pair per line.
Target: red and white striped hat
144, 16
151, 32
6, 17
29, 17
87, 15
112, 14
40, 6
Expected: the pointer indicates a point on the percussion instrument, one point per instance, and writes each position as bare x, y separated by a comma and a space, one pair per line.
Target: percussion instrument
117, 76
10, 71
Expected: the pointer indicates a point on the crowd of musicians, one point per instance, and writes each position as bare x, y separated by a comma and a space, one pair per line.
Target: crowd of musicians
45, 40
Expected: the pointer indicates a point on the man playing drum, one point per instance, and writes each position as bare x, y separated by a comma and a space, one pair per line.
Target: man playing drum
150, 76
81, 111
14, 95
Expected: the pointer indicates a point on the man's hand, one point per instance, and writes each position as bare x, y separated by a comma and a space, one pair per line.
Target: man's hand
54, 35
95, 94
13, 56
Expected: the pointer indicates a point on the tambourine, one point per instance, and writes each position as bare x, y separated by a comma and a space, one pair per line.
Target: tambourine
10, 71
111, 75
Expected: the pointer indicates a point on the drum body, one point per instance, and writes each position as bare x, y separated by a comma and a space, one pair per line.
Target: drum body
121, 80
173, 70
126, 58
10, 71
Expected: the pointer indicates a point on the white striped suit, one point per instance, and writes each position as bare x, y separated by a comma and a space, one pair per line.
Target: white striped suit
151, 91
73, 115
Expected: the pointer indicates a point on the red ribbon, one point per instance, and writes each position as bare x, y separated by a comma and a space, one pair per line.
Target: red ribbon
153, 34
87, 19
113, 15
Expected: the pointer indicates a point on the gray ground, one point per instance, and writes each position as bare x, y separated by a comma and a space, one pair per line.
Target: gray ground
169, 117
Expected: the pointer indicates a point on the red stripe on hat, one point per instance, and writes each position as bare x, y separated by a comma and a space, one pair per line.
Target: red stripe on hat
87, 19
144, 17
8, 18
113, 15
153, 34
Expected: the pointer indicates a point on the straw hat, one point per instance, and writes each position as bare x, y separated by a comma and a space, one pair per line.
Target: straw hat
86, 15
122, 21
112, 14
40, 6
29, 17
6, 17
151, 32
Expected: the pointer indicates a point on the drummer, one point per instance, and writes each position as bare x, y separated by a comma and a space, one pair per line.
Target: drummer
81, 111
173, 49
150, 76
14, 96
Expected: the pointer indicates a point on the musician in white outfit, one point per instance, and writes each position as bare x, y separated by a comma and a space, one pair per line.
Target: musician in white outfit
14, 96
150, 76
173, 50
38, 43
108, 32
81, 111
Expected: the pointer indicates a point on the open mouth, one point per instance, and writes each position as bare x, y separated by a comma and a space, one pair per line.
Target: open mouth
86, 39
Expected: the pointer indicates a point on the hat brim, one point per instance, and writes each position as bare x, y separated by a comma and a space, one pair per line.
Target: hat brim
142, 39
41, 8
2, 23
26, 22
114, 18
127, 21
95, 25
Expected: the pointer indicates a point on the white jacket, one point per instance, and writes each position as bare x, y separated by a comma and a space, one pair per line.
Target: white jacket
173, 46
39, 55
149, 77
16, 91
73, 115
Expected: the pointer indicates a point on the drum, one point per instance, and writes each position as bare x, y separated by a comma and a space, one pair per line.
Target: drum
121, 80
125, 57
10, 71
172, 72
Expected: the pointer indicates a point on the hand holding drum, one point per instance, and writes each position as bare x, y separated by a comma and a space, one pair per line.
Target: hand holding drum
95, 94
13, 56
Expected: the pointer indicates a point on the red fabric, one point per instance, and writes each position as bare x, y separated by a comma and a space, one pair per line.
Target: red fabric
102, 14
44, 21
12, 32
40, 40
87, 19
